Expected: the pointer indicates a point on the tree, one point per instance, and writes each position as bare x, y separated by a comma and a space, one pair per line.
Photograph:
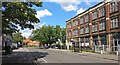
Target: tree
18, 14
63, 35
57, 32
49, 34
17, 37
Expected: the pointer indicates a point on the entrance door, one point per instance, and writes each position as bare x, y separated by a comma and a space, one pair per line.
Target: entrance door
116, 43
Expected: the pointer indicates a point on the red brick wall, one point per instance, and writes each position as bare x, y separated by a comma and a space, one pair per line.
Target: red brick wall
108, 23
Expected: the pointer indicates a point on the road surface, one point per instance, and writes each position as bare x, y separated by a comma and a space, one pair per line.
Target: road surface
39, 56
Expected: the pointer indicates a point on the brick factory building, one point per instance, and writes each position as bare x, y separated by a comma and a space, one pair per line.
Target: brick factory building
99, 25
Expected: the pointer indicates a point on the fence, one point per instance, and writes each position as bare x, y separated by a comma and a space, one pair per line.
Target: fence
97, 49
106, 49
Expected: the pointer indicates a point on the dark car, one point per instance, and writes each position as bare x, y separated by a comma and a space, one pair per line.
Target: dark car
20, 45
47, 47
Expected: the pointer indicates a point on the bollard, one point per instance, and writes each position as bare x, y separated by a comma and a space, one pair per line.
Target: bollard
67, 47
117, 53
101, 52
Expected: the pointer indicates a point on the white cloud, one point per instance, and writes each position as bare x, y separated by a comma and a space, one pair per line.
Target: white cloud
67, 5
27, 32
71, 5
38, 25
88, 2
43, 13
70, 0
80, 10
70, 8
43, 24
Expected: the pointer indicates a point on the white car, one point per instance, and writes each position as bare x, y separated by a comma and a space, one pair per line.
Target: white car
14, 46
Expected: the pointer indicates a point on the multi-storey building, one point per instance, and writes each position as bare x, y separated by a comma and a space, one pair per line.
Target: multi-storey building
98, 25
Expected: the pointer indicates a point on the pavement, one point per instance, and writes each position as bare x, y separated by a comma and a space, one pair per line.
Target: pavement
103, 56
21, 56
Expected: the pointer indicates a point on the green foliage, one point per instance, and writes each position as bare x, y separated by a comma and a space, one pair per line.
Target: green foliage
33, 46
18, 13
49, 34
17, 37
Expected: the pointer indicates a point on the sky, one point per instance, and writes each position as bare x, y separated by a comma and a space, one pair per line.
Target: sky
57, 12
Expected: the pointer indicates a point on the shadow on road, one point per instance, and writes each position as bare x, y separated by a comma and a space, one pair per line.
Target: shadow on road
23, 57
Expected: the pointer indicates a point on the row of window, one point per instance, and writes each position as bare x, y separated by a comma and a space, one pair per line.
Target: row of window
102, 26
95, 40
113, 8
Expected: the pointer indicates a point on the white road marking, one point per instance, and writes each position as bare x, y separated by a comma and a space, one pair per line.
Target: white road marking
44, 60
26, 49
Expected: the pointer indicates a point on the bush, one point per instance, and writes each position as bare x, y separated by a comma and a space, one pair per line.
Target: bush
76, 50
70, 47
34, 46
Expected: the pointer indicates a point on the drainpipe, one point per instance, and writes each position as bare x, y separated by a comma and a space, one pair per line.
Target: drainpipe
109, 42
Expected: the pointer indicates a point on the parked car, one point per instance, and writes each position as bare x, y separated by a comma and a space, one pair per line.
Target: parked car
20, 45
14, 46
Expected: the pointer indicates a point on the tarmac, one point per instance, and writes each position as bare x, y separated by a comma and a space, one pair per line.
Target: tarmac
13, 57
97, 55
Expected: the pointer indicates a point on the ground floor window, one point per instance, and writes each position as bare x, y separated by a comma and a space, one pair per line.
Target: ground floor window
82, 41
87, 41
116, 40
103, 40
95, 40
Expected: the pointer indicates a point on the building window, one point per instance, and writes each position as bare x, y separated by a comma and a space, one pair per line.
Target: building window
102, 25
86, 41
76, 22
70, 33
87, 29
103, 40
114, 22
81, 20
82, 31
73, 23
70, 25
76, 32
94, 15
94, 27
87, 18
102, 12
114, 7
95, 40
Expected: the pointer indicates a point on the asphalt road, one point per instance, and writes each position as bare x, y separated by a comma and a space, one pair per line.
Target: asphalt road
39, 56
54, 56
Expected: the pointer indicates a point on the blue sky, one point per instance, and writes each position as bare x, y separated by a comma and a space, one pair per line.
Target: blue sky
59, 16
57, 12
